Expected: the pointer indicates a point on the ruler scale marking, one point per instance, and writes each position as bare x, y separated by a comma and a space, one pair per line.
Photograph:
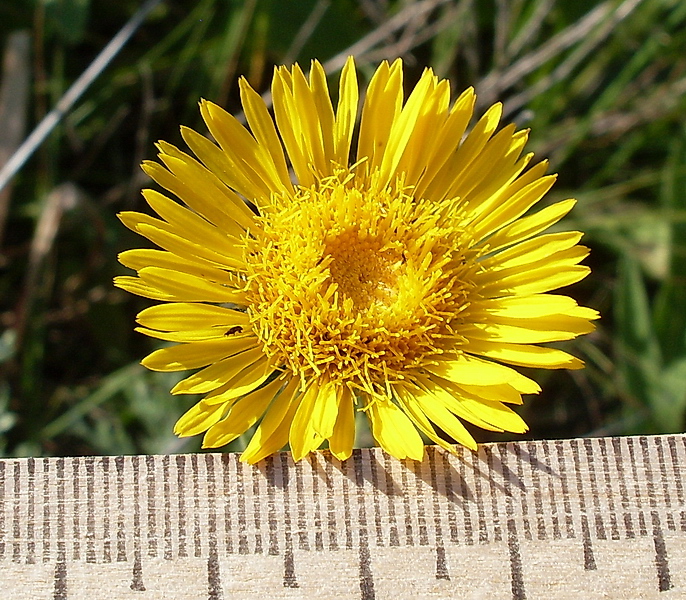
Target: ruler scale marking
303, 541
590, 451
289, 577
554, 505
524, 504
498, 512
642, 530
167, 535
450, 495
180, 463
30, 520
197, 544
121, 509
671, 442
479, 502
16, 519
393, 537
228, 513
645, 455
516, 570
46, 509
661, 561
416, 470
214, 585
365, 570
467, 501
609, 493
60, 581
2, 510
619, 469
89, 464
536, 480
589, 555
569, 522
151, 513
313, 459
346, 508
376, 486
273, 549
661, 461
438, 490
137, 584
330, 507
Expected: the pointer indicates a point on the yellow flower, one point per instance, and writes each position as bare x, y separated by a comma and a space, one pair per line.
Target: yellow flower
307, 286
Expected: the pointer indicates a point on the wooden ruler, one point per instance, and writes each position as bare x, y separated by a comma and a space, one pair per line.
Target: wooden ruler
583, 518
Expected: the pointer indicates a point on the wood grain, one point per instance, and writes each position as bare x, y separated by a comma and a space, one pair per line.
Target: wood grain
602, 518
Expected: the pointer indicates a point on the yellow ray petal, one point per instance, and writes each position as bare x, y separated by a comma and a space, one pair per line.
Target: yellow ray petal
411, 408
394, 431
497, 393
533, 250
436, 411
197, 354
343, 437
544, 278
262, 127
240, 147
139, 287
514, 207
526, 227
199, 418
303, 438
242, 180
346, 112
196, 335
472, 371
525, 355
448, 139
272, 433
189, 288
141, 258
290, 128
205, 182
497, 161
495, 413
404, 125
480, 411
194, 227
202, 203
539, 330
325, 411
468, 150
243, 382
185, 316
323, 109
381, 107
242, 416
452, 398
219, 373
527, 307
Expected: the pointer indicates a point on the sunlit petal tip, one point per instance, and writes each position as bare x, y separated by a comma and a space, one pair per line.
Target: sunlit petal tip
307, 286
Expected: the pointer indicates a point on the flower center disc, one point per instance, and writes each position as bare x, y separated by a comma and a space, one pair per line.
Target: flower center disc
363, 271
354, 282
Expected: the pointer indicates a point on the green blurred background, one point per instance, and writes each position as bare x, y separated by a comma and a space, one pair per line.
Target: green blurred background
601, 84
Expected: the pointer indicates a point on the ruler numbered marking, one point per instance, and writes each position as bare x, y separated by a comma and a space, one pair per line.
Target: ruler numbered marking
506, 521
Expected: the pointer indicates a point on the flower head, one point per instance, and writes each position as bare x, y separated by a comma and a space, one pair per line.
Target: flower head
307, 286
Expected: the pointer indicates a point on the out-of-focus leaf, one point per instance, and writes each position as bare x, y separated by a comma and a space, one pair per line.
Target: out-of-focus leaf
67, 18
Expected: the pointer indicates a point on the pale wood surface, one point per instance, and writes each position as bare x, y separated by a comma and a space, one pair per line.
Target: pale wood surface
591, 518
